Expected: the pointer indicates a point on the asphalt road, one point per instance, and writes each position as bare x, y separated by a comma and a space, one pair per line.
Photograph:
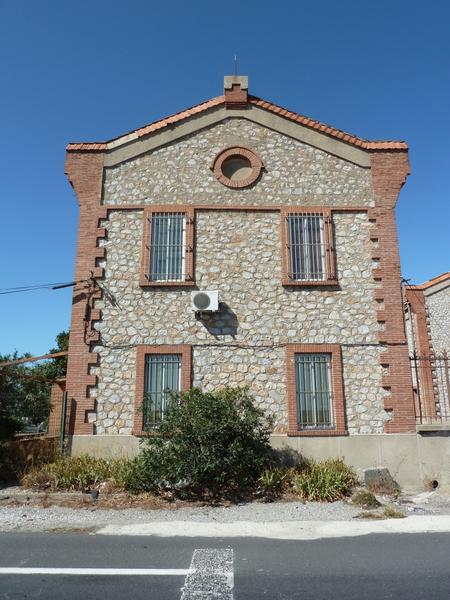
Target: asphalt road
404, 567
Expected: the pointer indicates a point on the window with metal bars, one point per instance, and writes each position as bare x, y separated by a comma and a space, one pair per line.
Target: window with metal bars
168, 246
313, 391
308, 239
162, 377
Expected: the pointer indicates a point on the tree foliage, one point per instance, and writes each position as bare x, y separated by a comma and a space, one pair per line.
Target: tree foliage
24, 393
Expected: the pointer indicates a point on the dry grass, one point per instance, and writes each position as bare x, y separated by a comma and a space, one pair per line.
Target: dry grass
389, 512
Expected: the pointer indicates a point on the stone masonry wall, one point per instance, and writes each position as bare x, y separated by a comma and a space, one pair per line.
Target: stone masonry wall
438, 306
180, 173
238, 253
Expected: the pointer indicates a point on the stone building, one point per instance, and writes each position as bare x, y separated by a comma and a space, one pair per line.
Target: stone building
427, 316
289, 225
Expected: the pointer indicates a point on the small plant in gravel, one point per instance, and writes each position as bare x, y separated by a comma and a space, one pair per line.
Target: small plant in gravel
365, 499
369, 515
391, 512
325, 481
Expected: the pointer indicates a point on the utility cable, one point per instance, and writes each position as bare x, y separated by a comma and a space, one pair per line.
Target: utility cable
40, 286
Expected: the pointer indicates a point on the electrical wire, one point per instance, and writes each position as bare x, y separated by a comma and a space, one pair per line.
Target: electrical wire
39, 286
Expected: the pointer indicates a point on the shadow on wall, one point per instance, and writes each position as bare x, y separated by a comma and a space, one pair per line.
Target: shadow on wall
223, 322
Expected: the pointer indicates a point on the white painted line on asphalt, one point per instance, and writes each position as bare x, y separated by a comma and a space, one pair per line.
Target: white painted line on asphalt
283, 530
82, 571
210, 575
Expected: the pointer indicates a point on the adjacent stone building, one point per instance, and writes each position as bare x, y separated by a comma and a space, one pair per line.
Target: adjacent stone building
289, 225
427, 316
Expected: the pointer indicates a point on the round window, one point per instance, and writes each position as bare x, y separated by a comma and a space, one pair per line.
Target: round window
237, 167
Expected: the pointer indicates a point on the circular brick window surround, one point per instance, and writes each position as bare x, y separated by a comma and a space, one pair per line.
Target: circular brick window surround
237, 167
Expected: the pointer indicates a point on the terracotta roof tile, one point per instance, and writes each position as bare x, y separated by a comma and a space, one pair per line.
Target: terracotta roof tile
255, 101
180, 116
332, 131
87, 146
430, 282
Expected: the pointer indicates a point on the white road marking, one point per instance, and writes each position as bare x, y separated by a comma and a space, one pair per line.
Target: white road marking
82, 571
210, 576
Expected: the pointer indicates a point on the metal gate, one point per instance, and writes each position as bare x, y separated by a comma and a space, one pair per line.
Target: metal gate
431, 382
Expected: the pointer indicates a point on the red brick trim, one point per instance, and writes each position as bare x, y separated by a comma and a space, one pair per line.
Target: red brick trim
389, 171
330, 258
236, 151
237, 207
85, 173
337, 383
186, 369
144, 279
56, 401
423, 347
235, 97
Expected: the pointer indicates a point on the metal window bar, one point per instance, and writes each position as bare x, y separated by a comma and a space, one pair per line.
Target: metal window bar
307, 247
431, 382
168, 247
313, 388
162, 377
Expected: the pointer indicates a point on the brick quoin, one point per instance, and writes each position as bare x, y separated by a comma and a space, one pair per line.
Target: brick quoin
85, 173
389, 172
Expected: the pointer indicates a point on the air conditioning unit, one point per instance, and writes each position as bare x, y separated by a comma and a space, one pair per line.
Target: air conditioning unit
205, 301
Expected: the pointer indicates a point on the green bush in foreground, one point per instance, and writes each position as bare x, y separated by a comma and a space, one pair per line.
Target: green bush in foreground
325, 481
209, 444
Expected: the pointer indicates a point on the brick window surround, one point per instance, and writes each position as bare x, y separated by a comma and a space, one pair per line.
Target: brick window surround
337, 388
141, 351
254, 162
330, 277
189, 278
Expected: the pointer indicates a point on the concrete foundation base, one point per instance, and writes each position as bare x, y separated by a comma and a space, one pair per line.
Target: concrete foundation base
414, 460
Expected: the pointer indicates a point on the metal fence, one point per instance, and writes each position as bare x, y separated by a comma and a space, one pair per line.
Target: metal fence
431, 382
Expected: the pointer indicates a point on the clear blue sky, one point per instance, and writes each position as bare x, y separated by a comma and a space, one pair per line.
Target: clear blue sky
91, 70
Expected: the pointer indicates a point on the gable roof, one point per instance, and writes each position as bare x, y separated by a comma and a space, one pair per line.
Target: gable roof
218, 101
439, 282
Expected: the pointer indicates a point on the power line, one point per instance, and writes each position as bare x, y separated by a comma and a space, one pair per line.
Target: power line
40, 286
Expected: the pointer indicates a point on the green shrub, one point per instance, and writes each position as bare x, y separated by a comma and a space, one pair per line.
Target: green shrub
365, 499
324, 481
390, 512
272, 482
209, 444
81, 472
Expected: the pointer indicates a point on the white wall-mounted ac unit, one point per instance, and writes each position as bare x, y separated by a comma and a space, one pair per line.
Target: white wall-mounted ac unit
205, 301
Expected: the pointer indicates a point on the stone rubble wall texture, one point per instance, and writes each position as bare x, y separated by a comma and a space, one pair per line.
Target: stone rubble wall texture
180, 173
239, 253
438, 306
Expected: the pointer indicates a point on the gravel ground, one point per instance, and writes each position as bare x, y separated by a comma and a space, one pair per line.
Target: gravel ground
17, 512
